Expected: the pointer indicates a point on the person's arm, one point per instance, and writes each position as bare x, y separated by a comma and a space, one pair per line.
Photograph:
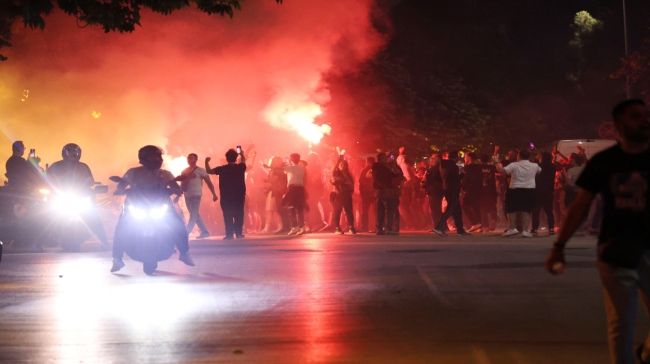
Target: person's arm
576, 214
210, 185
500, 168
207, 166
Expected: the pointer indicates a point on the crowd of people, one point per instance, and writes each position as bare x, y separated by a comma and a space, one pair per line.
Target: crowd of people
460, 192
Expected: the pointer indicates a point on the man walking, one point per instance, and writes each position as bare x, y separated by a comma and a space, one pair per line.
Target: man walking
472, 185
544, 187
192, 184
450, 176
432, 185
382, 177
232, 186
367, 193
521, 193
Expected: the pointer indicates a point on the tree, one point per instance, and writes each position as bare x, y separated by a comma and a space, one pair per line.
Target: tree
112, 15
636, 67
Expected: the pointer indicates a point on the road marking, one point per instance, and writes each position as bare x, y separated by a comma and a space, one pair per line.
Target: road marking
432, 287
480, 356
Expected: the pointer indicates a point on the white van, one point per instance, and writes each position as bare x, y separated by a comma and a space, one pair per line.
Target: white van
591, 146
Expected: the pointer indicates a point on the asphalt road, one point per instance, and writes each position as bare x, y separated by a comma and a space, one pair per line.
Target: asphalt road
313, 299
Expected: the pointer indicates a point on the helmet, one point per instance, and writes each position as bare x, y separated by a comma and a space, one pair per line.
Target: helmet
71, 152
148, 151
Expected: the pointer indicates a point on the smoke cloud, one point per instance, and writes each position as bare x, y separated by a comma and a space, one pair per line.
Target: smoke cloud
186, 82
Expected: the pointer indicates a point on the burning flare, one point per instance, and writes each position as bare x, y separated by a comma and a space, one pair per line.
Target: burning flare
299, 117
175, 165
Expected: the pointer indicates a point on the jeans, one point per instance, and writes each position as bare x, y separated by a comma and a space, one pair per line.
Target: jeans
233, 214
343, 202
367, 199
386, 209
193, 204
472, 207
453, 210
435, 205
622, 287
543, 201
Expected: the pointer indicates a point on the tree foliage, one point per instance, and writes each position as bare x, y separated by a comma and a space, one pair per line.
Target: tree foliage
636, 67
112, 15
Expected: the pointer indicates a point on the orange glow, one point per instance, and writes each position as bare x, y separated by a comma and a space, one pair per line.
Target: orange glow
299, 118
175, 165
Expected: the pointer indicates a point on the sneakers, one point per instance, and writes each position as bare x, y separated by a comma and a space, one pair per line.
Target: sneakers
185, 258
534, 232
353, 231
338, 231
293, 231
476, 227
510, 232
463, 233
227, 237
203, 235
240, 236
439, 232
301, 231
390, 232
527, 234
117, 265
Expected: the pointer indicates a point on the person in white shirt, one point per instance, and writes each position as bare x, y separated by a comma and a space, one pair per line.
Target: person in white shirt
521, 193
192, 185
295, 201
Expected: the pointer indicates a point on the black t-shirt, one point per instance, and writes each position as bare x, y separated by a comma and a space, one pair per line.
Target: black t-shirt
545, 180
20, 173
433, 181
70, 175
473, 181
450, 175
382, 176
365, 183
232, 180
489, 185
623, 181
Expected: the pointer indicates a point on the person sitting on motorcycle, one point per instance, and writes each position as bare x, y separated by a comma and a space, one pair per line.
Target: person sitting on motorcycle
21, 174
70, 174
150, 175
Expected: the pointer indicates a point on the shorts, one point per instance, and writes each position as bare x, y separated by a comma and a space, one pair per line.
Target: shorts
519, 199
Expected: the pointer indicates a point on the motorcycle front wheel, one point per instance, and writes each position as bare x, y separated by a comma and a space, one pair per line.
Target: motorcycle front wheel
149, 267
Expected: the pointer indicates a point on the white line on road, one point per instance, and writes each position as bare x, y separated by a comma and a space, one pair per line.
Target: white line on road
480, 356
432, 287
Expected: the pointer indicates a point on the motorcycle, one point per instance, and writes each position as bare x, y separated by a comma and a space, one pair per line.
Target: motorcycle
20, 213
149, 226
69, 211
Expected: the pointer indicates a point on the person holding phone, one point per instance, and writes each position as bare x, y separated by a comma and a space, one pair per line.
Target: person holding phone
21, 174
232, 186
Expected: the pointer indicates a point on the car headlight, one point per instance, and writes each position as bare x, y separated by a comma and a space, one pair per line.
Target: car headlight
159, 212
137, 212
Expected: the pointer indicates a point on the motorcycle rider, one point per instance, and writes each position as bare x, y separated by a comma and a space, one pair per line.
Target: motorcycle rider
70, 174
149, 175
21, 174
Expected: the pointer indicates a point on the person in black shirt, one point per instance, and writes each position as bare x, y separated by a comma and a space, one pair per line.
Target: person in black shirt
544, 187
451, 190
472, 185
21, 174
367, 192
232, 187
489, 194
432, 185
382, 177
622, 175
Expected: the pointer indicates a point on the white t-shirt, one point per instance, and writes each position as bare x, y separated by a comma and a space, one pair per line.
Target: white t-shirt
194, 183
523, 174
572, 175
295, 175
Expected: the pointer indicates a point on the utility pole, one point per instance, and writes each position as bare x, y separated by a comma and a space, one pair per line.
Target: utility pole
627, 51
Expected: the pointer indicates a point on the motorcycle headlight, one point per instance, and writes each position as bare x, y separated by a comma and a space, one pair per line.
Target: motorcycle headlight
158, 213
137, 212
71, 204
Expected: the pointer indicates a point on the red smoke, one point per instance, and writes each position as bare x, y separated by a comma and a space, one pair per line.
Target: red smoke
187, 82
